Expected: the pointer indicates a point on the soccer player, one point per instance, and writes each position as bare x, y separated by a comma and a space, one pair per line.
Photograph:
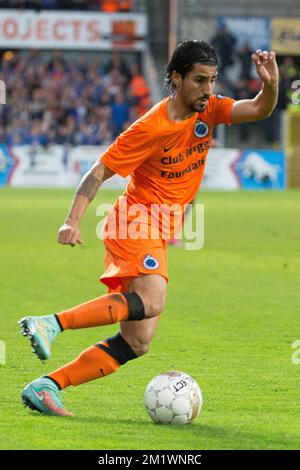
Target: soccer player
164, 152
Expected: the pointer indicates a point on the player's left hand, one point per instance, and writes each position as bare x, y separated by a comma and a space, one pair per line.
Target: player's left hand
266, 66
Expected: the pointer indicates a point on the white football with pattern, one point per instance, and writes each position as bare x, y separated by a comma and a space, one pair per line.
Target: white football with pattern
173, 398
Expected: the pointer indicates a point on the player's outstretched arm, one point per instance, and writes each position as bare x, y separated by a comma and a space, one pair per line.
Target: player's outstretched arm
69, 232
264, 103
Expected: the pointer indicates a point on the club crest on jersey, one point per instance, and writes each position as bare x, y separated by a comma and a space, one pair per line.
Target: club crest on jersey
150, 262
201, 128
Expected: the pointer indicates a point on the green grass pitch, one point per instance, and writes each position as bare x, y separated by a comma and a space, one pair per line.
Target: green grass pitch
231, 317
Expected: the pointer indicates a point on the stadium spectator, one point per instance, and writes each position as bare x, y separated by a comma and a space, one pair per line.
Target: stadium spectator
139, 91
118, 62
119, 113
225, 45
289, 72
113, 6
245, 55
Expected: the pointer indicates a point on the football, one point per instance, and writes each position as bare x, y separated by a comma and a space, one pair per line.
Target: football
174, 398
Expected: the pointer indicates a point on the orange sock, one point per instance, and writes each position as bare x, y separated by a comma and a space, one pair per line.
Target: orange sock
105, 310
92, 364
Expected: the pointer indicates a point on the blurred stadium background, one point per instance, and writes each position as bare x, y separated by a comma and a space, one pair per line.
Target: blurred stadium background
78, 72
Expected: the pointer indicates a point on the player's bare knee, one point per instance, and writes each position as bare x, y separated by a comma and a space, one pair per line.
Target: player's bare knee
142, 349
151, 291
154, 307
139, 346
154, 302
157, 303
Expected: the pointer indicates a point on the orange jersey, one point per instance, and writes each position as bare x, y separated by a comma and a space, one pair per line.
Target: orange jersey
166, 159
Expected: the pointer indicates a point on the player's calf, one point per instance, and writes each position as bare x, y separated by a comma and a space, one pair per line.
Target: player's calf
98, 361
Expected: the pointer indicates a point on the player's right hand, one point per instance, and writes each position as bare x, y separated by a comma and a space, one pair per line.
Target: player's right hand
69, 235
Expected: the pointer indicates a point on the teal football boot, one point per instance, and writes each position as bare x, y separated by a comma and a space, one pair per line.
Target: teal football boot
41, 332
43, 395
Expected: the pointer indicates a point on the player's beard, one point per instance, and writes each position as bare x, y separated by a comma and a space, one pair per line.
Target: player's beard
195, 105
199, 106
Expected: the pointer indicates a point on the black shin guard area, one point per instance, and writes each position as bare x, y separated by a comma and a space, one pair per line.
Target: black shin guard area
118, 348
58, 321
135, 306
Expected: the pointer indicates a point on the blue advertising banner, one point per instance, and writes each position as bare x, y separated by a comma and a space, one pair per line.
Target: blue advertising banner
7, 164
252, 30
261, 169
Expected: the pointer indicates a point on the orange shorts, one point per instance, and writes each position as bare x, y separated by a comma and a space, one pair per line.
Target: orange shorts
129, 258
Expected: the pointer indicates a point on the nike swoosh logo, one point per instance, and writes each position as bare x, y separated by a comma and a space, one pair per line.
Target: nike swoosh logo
166, 149
110, 312
40, 397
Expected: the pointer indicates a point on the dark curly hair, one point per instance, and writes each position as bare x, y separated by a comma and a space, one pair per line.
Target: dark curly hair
186, 54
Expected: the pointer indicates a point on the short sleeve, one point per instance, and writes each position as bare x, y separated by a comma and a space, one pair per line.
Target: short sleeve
222, 109
129, 150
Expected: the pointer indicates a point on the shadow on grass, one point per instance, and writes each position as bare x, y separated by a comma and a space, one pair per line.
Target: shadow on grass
195, 436
207, 436
228, 437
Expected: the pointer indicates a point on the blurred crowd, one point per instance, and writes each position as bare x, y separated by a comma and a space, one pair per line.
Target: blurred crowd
238, 78
87, 101
67, 101
109, 6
